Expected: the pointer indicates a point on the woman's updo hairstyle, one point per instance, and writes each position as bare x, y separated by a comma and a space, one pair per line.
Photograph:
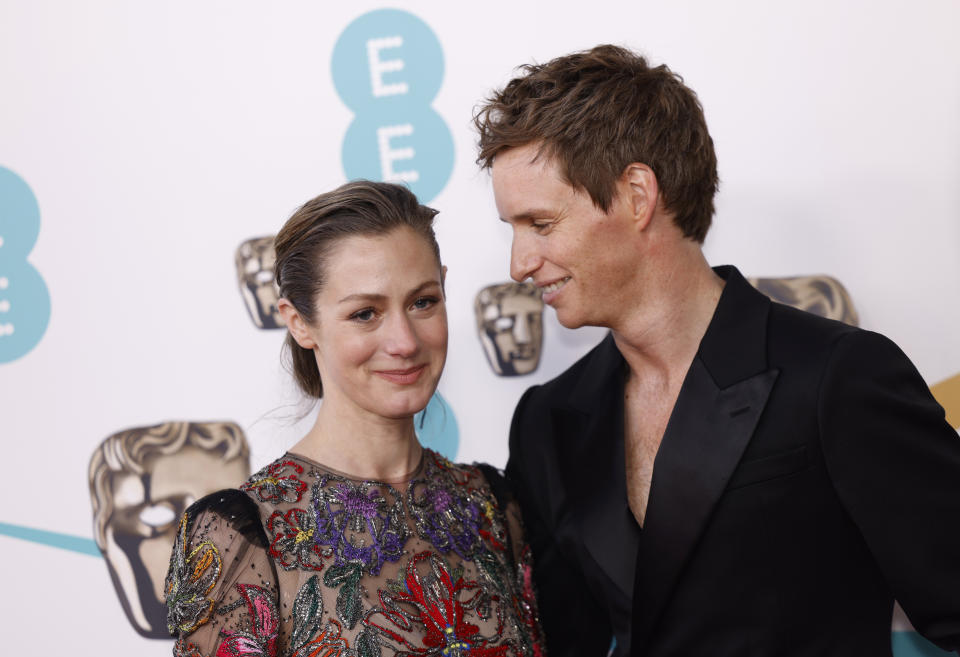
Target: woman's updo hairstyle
360, 207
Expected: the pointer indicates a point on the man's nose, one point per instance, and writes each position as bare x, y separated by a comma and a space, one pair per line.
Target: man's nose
524, 259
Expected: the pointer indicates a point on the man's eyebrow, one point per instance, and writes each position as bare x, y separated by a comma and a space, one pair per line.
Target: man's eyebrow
529, 215
372, 297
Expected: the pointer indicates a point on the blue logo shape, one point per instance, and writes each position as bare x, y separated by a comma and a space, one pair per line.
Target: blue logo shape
437, 427
24, 299
388, 68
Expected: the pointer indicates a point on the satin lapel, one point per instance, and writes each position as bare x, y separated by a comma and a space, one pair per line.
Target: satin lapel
705, 438
592, 422
717, 410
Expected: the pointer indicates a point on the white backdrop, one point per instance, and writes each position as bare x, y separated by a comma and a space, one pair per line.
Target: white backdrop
158, 136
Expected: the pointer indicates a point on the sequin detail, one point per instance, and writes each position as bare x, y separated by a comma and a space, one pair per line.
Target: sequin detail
363, 523
189, 579
293, 542
315, 564
260, 638
278, 482
447, 511
429, 615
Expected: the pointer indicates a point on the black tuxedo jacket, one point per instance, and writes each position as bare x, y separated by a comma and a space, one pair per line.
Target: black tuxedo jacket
805, 480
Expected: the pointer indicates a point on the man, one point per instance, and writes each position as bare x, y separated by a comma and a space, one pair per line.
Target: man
722, 475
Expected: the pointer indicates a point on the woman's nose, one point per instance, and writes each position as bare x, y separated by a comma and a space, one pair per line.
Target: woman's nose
401, 339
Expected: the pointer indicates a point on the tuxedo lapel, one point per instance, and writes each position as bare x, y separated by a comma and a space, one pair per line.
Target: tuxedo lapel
705, 438
716, 412
592, 425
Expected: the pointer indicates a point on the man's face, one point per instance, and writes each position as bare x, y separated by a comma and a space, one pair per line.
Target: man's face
580, 257
143, 525
510, 318
255, 268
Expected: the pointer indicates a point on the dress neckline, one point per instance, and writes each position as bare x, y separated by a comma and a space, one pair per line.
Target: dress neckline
399, 481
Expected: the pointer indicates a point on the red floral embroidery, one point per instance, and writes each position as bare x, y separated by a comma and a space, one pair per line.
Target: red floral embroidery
270, 485
293, 544
439, 604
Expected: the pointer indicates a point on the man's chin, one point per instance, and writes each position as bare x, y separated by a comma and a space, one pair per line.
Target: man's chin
570, 320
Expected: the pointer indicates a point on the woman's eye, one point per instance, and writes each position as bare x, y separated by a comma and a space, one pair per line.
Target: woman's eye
424, 302
364, 315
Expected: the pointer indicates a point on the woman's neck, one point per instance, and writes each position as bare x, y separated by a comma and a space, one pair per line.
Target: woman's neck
364, 445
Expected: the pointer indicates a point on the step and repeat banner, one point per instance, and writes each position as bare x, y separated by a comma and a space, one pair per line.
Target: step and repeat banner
149, 152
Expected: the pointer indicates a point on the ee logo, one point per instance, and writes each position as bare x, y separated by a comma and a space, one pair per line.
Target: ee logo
24, 299
387, 68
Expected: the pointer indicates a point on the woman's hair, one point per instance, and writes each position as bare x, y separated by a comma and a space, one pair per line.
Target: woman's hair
360, 207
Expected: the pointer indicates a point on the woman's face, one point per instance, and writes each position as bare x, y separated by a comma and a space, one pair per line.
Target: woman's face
381, 329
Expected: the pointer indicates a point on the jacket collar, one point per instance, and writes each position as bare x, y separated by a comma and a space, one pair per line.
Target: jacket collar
741, 311
735, 344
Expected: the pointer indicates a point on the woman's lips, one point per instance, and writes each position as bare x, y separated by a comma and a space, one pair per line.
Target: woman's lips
402, 377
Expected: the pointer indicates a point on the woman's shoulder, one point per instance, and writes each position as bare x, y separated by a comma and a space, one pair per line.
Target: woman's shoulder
283, 481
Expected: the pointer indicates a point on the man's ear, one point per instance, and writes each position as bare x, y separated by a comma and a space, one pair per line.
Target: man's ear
640, 191
295, 324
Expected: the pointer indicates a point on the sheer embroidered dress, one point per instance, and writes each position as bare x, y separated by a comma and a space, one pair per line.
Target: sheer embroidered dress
303, 561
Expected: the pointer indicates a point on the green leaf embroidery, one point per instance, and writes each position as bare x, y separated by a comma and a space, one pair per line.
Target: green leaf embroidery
367, 644
347, 578
307, 613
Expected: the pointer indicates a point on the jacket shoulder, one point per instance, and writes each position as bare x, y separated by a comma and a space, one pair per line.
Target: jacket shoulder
798, 330
562, 386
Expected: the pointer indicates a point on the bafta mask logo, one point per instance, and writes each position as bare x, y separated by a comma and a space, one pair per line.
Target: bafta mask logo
510, 326
255, 262
141, 481
820, 295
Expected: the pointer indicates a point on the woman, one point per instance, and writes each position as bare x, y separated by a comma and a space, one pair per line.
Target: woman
357, 541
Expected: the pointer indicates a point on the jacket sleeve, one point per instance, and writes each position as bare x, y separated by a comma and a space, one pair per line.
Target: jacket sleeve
221, 589
895, 464
573, 622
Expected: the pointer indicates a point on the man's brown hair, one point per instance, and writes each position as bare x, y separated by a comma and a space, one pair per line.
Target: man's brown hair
600, 110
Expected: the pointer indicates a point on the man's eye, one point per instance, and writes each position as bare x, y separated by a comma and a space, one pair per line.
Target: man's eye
364, 315
422, 303
540, 226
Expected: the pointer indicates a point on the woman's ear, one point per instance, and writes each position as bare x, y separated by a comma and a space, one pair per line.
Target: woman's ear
443, 280
295, 324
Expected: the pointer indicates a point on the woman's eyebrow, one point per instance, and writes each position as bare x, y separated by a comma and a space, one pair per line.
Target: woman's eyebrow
369, 296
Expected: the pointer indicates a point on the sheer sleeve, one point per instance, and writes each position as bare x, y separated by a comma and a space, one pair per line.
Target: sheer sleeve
221, 588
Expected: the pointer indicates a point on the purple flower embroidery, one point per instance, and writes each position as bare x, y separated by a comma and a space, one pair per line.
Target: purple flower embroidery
447, 511
363, 523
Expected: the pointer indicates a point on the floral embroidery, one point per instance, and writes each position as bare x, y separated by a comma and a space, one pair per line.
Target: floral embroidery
456, 589
270, 485
328, 644
292, 544
183, 648
449, 513
432, 607
261, 639
359, 522
525, 606
189, 580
